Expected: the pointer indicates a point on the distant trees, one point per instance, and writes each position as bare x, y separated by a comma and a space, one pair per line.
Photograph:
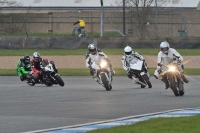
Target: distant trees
138, 14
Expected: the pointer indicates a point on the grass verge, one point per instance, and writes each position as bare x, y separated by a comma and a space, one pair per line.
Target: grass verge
85, 72
108, 51
158, 125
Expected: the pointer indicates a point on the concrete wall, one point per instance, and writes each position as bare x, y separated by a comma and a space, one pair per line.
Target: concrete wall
81, 43
121, 42
44, 42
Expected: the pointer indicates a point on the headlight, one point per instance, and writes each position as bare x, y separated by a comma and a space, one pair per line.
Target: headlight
172, 68
103, 64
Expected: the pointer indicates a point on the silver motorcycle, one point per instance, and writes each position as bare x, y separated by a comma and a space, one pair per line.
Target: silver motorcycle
103, 72
170, 69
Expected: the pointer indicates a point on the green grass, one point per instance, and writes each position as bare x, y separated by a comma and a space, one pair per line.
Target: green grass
108, 51
158, 125
85, 72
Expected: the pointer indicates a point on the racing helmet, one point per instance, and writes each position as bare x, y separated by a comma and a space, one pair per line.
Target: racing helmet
92, 48
36, 56
127, 51
164, 47
26, 59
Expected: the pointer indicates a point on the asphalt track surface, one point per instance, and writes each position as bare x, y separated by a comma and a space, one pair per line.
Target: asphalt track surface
24, 108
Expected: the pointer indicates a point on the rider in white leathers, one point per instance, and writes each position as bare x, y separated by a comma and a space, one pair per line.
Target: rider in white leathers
128, 56
93, 55
166, 51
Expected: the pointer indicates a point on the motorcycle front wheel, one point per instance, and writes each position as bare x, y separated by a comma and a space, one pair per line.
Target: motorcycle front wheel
105, 82
180, 87
173, 85
59, 80
146, 78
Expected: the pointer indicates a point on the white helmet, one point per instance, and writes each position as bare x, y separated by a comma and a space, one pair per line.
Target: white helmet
127, 50
164, 47
92, 48
36, 56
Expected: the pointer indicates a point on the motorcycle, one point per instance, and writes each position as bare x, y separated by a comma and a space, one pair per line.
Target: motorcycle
170, 70
139, 73
48, 75
104, 76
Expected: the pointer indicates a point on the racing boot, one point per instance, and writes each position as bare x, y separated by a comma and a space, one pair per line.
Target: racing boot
129, 75
95, 78
184, 78
166, 83
113, 72
94, 75
143, 86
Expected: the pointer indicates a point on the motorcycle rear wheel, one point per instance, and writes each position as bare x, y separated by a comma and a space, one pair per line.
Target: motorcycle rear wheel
48, 84
31, 83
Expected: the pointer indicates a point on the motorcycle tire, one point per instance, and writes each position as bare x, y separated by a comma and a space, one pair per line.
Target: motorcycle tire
173, 85
59, 80
146, 78
181, 93
31, 83
48, 84
142, 86
181, 87
105, 82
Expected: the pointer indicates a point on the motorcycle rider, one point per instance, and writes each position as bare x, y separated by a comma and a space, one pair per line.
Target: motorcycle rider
92, 55
166, 51
23, 67
36, 62
129, 54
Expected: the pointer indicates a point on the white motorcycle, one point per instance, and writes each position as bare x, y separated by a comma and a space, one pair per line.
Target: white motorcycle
103, 71
139, 73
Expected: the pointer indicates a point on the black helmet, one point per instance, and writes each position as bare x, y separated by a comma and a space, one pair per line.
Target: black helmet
26, 59
92, 48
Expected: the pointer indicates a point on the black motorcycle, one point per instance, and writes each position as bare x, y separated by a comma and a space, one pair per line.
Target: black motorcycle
48, 76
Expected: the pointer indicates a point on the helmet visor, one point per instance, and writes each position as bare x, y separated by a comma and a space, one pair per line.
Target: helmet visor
36, 59
128, 53
164, 49
93, 51
27, 60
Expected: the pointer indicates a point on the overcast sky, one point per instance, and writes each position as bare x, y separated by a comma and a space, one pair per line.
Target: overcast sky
96, 3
